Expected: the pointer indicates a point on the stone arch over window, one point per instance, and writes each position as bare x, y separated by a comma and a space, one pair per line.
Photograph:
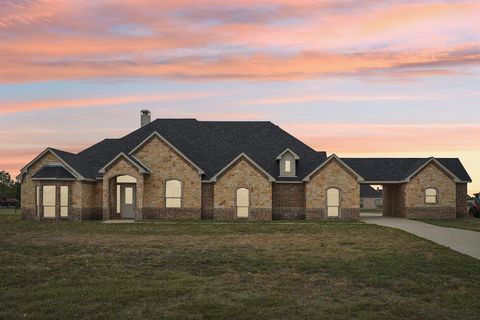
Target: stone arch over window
173, 194
243, 202
431, 195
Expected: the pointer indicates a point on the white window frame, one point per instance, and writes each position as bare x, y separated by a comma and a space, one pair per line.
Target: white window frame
46, 204
429, 195
331, 212
243, 211
64, 202
288, 166
173, 200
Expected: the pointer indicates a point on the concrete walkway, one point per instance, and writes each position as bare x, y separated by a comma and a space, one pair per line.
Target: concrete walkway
463, 241
119, 221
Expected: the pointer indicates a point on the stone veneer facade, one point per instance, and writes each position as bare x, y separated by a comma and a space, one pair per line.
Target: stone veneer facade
332, 175
242, 174
89, 200
166, 164
407, 200
84, 200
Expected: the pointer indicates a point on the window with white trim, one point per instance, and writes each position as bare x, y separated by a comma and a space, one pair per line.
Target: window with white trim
288, 166
63, 201
173, 194
49, 207
333, 202
243, 202
430, 195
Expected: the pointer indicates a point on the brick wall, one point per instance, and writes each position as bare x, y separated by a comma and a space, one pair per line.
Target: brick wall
288, 201
369, 203
332, 175
243, 174
393, 200
207, 200
461, 200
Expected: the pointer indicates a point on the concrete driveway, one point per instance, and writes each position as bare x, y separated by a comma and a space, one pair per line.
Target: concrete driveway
463, 241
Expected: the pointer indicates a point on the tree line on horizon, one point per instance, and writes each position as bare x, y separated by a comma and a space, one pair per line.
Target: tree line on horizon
9, 188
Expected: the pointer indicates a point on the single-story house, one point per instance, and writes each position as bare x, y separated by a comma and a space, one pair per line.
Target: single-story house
370, 198
189, 169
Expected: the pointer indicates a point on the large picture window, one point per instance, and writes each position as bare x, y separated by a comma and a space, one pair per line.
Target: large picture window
430, 196
49, 202
173, 194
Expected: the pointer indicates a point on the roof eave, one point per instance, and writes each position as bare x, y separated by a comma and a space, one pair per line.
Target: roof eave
330, 158
214, 178
432, 159
74, 172
121, 154
295, 156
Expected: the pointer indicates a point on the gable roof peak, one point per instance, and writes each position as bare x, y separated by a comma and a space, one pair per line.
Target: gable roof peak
295, 156
242, 155
333, 156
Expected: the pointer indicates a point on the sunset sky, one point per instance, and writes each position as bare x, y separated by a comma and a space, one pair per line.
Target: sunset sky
355, 78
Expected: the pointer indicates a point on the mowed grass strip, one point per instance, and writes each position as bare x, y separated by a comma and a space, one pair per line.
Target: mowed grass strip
329, 270
472, 224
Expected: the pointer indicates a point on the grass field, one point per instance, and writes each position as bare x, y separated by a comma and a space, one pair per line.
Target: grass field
468, 224
189, 270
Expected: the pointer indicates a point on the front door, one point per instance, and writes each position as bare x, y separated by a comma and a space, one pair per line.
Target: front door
127, 201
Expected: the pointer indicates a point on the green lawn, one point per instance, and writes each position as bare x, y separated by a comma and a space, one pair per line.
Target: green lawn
9, 211
331, 270
467, 223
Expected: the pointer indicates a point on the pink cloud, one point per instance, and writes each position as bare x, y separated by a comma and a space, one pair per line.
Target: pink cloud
338, 137
48, 40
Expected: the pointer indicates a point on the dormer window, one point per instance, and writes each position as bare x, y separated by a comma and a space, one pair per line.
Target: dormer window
288, 167
287, 163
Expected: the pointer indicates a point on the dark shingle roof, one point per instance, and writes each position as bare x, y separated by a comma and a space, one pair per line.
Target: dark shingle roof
53, 172
211, 145
398, 169
367, 191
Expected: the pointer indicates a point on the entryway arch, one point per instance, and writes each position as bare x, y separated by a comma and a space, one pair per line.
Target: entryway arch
126, 191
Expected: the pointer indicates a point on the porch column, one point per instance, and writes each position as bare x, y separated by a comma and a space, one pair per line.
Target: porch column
40, 201
106, 200
139, 199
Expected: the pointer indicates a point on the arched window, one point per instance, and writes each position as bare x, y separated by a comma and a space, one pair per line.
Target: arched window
333, 202
173, 194
430, 195
243, 202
